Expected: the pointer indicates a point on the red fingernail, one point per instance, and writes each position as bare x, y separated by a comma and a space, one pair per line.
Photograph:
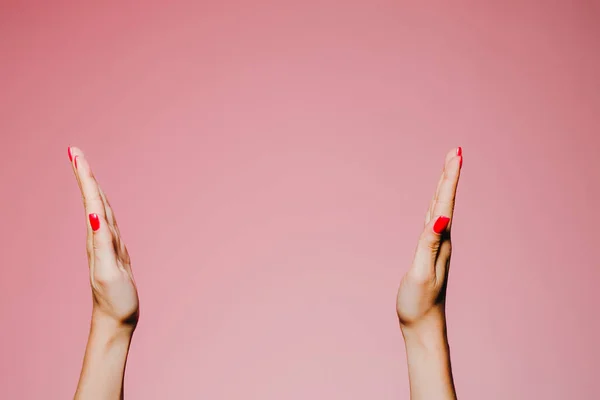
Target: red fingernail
70, 155
75, 161
441, 224
94, 222
459, 151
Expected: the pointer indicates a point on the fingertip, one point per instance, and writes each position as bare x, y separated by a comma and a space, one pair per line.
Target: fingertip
440, 225
100, 230
94, 221
74, 153
454, 164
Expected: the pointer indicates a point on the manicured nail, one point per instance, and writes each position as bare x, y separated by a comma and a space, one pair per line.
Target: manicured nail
459, 154
70, 155
94, 222
75, 161
441, 224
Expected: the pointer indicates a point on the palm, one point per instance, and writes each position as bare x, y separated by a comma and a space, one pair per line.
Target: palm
117, 297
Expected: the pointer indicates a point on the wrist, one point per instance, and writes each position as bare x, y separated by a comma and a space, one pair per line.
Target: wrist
109, 328
108, 342
430, 333
105, 358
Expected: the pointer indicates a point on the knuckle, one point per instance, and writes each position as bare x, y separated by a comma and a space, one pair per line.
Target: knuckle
445, 204
430, 241
113, 232
433, 245
105, 277
428, 238
95, 203
124, 255
422, 276
103, 241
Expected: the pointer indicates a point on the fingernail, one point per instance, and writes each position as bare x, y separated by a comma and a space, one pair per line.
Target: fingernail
70, 155
459, 151
441, 224
75, 161
94, 222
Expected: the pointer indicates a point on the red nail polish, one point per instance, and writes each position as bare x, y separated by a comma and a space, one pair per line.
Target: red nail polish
75, 161
94, 222
70, 155
459, 151
441, 224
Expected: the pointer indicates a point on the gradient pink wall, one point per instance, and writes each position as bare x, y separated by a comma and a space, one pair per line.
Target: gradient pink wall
270, 164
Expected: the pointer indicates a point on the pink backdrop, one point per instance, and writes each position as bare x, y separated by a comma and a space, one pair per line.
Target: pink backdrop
270, 164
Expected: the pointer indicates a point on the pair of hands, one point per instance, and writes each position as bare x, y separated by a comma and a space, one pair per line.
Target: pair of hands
421, 296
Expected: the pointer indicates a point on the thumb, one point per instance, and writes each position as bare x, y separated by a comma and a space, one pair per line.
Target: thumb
102, 243
429, 245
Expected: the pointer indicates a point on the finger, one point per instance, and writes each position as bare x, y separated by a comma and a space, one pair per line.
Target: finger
442, 262
449, 156
112, 221
98, 229
90, 192
444, 204
110, 215
428, 247
74, 154
103, 245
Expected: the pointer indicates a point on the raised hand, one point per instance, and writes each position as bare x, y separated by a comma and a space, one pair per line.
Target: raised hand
422, 290
115, 310
421, 297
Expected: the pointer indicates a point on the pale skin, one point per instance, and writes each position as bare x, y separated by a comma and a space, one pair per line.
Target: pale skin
420, 303
422, 294
115, 308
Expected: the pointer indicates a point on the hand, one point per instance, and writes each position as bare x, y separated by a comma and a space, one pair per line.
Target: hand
421, 296
115, 298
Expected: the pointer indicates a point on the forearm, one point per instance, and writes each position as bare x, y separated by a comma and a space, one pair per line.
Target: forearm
428, 356
104, 362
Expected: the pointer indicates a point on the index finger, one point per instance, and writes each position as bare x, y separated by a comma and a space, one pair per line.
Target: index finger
447, 188
90, 191
449, 156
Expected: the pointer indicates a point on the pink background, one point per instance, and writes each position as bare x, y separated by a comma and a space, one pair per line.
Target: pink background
270, 164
